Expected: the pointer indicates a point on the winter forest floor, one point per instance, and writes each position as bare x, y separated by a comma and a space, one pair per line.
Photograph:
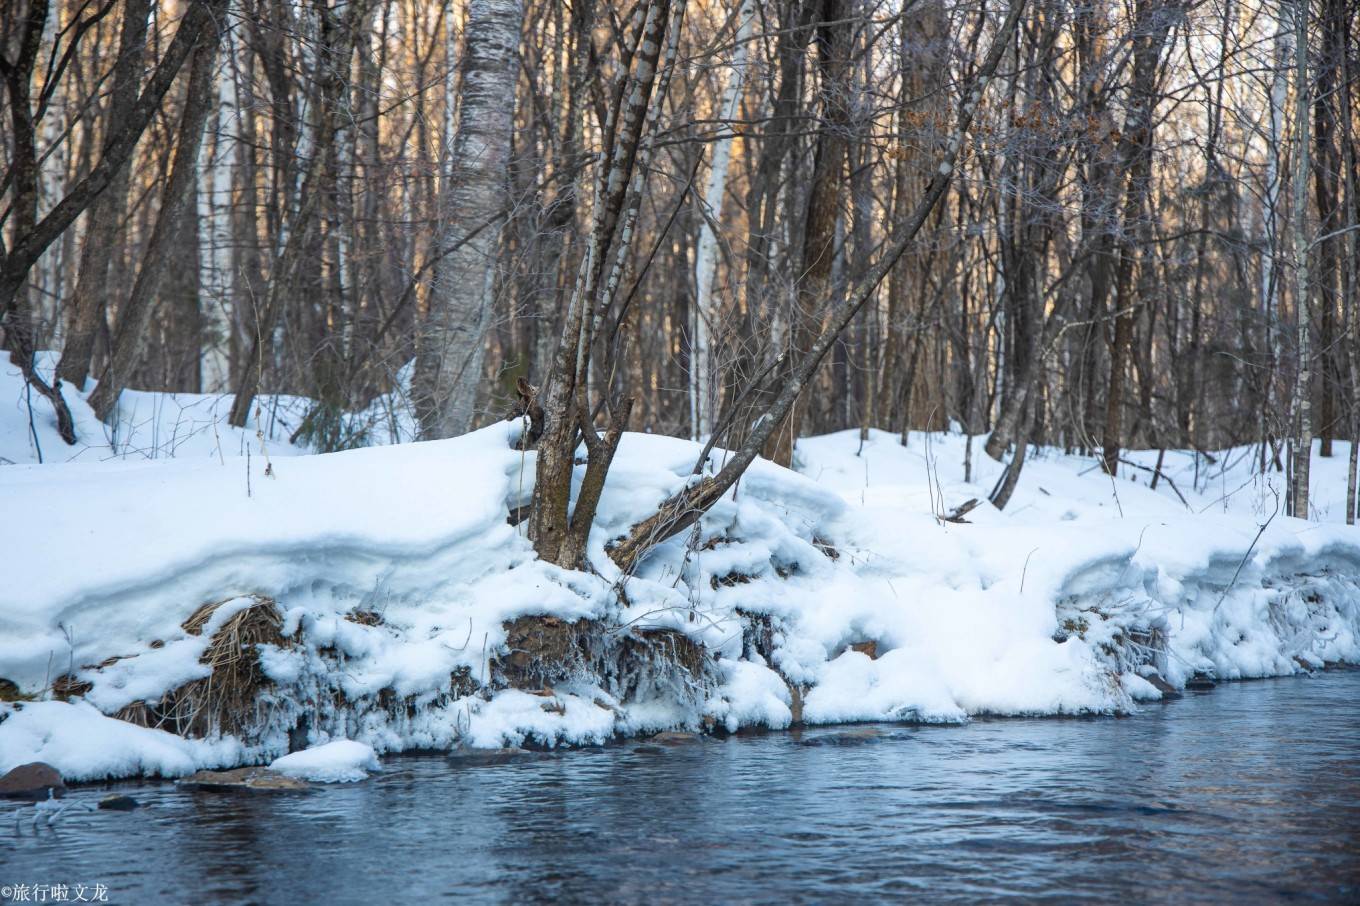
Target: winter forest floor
255, 599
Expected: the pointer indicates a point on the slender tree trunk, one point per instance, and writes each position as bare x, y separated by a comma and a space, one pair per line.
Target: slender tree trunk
475, 198
1326, 170
703, 378
835, 33
105, 217
1151, 26
1271, 274
1303, 388
130, 336
558, 530
1339, 23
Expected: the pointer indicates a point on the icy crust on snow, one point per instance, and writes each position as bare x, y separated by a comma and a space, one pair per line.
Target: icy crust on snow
394, 569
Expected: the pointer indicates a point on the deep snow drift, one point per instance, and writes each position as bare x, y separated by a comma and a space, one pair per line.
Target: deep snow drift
377, 583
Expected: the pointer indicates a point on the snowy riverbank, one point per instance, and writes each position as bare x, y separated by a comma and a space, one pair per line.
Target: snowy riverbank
364, 595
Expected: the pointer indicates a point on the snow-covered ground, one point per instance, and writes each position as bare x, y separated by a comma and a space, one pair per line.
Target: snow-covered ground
189, 426
383, 577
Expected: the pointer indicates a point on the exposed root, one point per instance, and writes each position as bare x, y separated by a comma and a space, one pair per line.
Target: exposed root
634, 665
659, 663
543, 651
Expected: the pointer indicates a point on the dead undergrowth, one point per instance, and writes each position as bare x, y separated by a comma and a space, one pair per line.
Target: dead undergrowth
228, 699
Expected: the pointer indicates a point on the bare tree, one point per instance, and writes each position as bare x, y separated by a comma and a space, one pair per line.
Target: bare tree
31, 234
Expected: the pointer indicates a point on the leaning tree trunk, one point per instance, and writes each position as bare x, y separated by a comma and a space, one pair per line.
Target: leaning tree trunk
785, 383
452, 340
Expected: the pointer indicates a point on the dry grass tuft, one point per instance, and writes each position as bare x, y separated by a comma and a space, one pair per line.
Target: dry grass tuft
10, 692
109, 661
225, 701
137, 713
365, 617
69, 686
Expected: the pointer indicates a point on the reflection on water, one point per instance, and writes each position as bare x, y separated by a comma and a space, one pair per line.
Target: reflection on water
1249, 792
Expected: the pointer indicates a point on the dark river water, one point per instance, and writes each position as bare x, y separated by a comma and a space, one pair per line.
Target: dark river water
1247, 793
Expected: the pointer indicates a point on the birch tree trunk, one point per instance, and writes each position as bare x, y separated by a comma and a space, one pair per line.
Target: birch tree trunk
475, 196
1270, 269
1350, 275
1303, 388
702, 394
218, 282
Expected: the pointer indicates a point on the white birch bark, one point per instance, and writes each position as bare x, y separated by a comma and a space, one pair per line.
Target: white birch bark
1270, 277
1303, 439
475, 195
703, 395
215, 210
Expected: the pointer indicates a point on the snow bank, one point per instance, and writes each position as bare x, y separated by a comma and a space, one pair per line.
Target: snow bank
84, 744
387, 575
341, 761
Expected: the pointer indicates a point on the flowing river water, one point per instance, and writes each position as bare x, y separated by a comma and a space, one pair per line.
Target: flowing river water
1246, 793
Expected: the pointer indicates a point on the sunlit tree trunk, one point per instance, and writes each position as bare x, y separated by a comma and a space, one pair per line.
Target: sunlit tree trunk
475, 196
175, 203
105, 218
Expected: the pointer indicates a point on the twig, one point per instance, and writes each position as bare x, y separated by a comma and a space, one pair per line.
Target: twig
1157, 473
1247, 556
1024, 570
28, 399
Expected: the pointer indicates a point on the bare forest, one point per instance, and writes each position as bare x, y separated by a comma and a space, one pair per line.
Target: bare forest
1098, 226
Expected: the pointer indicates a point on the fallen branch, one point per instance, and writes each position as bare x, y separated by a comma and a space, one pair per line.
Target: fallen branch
963, 509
